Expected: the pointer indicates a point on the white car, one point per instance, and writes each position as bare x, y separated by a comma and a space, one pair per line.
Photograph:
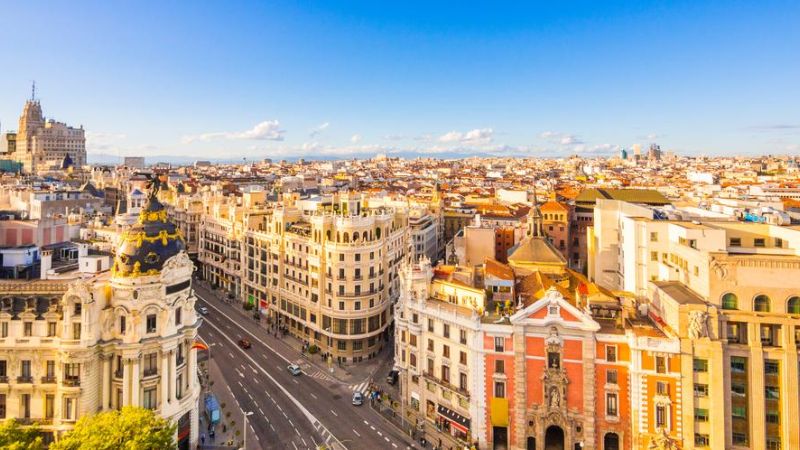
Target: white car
202, 310
294, 369
358, 399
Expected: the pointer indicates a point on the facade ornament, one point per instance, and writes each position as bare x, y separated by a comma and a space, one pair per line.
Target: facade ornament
698, 324
662, 441
720, 268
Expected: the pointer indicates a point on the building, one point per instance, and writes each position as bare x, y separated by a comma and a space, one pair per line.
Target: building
425, 233
95, 339
133, 162
44, 144
730, 292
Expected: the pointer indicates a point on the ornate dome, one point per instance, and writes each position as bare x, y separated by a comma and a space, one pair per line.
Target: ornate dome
150, 242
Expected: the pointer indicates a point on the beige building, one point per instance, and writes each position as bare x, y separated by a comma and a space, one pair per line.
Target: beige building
95, 339
45, 144
731, 291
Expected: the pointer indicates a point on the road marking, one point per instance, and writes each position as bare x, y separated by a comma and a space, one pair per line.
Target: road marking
356, 432
273, 428
284, 415
240, 383
373, 428
256, 380
279, 367
230, 354
315, 397
295, 447
259, 410
334, 413
387, 439
298, 433
304, 441
316, 423
252, 429
295, 381
366, 423
394, 445
380, 434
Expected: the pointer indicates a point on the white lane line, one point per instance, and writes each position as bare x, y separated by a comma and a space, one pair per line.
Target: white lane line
246, 331
284, 415
259, 410
315, 397
380, 434
313, 420
394, 445
366, 423
298, 433
387, 439
256, 380
279, 367
334, 413
295, 447
356, 432
273, 428
292, 423
304, 441
230, 354
240, 383
373, 428
252, 429
279, 408
295, 381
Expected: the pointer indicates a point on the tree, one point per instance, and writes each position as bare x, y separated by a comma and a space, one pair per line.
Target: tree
15, 437
129, 429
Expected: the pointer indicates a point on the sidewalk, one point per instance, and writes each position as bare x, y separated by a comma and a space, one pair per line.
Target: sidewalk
345, 373
226, 430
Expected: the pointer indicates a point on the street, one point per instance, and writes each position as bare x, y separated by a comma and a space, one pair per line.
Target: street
291, 412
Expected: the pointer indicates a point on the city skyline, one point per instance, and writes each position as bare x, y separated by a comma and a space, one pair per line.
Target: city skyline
348, 80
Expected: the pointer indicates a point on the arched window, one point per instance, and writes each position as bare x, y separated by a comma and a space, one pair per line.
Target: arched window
377, 233
356, 236
730, 301
611, 441
328, 234
346, 237
761, 303
793, 305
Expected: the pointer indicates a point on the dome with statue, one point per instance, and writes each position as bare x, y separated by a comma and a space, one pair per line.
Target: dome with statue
149, 242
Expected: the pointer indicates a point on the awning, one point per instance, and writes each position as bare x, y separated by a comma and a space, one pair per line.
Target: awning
499, 412
454, 417
415, 396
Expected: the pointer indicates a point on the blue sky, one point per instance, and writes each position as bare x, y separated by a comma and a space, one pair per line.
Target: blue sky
344, 79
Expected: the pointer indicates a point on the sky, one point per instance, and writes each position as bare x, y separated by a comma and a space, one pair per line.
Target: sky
344, 79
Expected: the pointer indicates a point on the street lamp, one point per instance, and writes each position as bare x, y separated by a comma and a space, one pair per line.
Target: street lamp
244, 428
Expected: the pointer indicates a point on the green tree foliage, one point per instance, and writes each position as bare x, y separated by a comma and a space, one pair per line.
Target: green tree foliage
15, 437
129, 429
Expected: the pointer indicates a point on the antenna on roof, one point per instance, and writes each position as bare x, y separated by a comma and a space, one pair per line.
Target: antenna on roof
33, 90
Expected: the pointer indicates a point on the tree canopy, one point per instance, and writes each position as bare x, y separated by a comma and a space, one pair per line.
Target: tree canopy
128, 429
16, 437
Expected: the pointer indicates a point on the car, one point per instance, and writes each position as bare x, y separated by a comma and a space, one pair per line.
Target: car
358, 398
294, 369
202, 310
245, 344
391, 378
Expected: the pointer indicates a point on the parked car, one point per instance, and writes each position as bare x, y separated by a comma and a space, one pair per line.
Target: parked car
245, 344
391, 378
294, 369
202, 310
358, 399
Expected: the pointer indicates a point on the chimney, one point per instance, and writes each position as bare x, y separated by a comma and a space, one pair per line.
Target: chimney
46, 263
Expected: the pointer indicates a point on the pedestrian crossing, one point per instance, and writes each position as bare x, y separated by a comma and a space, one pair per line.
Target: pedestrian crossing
322, 376
361, 387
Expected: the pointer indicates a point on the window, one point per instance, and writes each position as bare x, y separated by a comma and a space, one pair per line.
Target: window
499, 344
611, 353
771, 367
738, 390
430, 345
499, 366
122, 325
4, 329
50, 369
150, 364
661, 416
701, 415
430, 366
759, 242
462, 335
611, 376
462, 358
49, 403
179, 387
25, 405
445, 351
499, 389
611, 404
739, 438
178, 315
149, 399
51, 329
700, 365
793, 305
773, 443
761, 303
2, 406
445, 374
730, 301
653, 237
412, 339
28, 329
462, 381
700, 390
736, 242
72, 371
739, 412
446, 330
738, 364
772, 392
661, 364
662, 388
701, 440
25, 369
653, 256
151, 323
430, 325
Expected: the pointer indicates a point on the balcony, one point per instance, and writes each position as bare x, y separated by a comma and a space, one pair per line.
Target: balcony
49, 379
430, 377
72, 382
24, 379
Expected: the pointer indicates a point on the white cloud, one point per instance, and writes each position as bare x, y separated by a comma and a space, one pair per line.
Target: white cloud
268, 130
560, 138
476, 136
99, 142
355, 139
319, 129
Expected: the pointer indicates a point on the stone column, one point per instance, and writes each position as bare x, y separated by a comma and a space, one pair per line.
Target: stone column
173, 376
126, 383
135, 384
166, 374
106, 380
789, 388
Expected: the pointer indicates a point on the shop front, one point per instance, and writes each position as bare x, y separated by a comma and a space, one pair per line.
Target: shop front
453, 423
